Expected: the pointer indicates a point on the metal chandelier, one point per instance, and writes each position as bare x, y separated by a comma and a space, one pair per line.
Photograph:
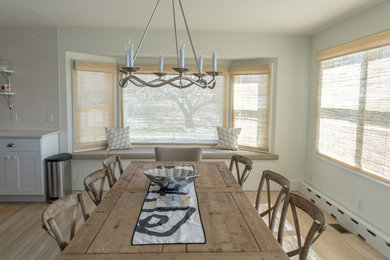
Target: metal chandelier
181, 80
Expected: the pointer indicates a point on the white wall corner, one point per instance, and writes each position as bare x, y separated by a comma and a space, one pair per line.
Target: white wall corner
370, 234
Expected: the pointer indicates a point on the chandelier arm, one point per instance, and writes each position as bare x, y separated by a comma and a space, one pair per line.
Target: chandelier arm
136, 82
200, 83
141, 83
174, 25
180, 86
161, 82
189, 35
211, 84
122, 82
146, 30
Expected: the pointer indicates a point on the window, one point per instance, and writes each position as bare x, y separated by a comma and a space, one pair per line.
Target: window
354, 106
93, 103
171, 115
251, 105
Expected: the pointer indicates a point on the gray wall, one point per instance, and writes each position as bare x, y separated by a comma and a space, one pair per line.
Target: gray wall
291, 52
360, 194
33, 55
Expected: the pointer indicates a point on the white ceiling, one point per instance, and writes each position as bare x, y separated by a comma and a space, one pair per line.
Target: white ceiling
300, 17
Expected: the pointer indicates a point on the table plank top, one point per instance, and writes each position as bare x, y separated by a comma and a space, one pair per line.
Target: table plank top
232, 226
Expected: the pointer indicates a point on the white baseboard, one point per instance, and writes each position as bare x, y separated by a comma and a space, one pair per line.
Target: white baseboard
371, 235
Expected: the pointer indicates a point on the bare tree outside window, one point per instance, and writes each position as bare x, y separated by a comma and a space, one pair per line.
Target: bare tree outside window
168, 114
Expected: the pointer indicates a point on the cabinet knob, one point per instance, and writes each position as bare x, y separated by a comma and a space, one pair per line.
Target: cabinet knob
7, 157
14, 157
11, 145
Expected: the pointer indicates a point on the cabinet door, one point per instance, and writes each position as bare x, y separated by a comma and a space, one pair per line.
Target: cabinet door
27, 173
5, 176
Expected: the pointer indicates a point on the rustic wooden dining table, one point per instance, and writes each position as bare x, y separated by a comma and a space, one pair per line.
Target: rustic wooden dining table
233, 228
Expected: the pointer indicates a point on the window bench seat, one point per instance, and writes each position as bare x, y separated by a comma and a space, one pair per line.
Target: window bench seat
83, 163
141, 153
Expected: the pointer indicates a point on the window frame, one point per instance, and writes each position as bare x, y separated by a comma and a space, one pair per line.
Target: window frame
364, 44
258, 69
93, 66
148, 69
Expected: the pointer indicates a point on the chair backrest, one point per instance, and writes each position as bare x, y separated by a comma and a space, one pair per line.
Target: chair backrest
58, 206
178, 154
285, 189
316, 228
89, 185
110, 164
241, 177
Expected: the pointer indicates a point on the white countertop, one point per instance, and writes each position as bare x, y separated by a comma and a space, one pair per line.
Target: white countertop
26, 133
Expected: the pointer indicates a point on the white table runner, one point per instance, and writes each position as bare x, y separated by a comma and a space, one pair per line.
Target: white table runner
169, 218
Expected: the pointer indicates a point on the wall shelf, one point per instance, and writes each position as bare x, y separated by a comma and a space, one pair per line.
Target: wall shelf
5, 77
8, 96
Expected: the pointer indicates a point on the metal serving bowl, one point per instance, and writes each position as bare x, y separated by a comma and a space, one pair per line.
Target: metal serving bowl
171, 178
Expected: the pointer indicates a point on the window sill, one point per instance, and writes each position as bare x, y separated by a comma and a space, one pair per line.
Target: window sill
140, 153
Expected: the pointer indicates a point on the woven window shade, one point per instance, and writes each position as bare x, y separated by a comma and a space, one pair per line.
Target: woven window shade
171, 115
251, 105
93, 103
354, 111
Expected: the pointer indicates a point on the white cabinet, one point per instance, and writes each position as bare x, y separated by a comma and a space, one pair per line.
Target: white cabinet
22, 167
5, 177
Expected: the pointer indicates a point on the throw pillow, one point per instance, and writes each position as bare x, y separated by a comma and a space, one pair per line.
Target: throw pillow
228, 138
118, 138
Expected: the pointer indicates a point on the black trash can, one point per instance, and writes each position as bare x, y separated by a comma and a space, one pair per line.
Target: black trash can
59, 177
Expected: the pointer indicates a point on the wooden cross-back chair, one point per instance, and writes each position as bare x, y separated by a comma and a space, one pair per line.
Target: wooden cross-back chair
58, 206
89, 185
316, 229
110, 165
241, 177
285, 189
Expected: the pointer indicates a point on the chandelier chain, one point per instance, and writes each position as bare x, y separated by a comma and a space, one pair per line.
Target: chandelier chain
180, 81
174, 25
146, 30
189, 35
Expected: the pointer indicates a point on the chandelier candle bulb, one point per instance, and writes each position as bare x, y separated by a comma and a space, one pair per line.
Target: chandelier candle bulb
161, 64
181, 63
214, 56
127, 59
200, 63
131, 56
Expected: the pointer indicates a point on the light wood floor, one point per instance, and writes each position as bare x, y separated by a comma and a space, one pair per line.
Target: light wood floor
22, 236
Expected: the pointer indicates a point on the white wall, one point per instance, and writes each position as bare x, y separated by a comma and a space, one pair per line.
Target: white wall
362, 195
291, 52
33, 55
